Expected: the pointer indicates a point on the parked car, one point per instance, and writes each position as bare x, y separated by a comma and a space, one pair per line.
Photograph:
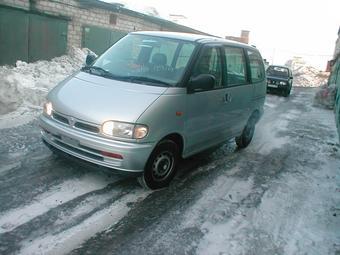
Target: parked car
279, 78
153, 98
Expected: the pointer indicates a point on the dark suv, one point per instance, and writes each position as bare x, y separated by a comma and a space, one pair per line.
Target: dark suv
279, 78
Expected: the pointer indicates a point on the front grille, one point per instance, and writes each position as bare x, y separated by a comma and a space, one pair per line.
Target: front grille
72, 122
86, 127
60, 118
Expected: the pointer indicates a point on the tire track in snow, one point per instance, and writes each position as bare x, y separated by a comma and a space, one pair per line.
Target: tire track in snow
59, 194
65, 241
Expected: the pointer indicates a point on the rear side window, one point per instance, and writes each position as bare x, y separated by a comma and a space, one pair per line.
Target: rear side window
235, 68
256, 66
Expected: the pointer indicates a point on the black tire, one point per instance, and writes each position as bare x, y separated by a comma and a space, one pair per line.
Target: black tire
245, 138
286, 92
161, 166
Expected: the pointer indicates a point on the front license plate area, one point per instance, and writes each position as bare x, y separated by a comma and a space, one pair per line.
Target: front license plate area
273, 86
70, 141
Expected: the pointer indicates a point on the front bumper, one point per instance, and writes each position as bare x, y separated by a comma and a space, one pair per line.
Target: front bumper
89, 147
273, 84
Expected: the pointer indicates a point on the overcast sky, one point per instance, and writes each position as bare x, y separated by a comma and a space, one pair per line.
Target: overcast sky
280, 29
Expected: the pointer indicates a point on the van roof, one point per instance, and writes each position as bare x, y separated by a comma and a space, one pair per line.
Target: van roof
193, 37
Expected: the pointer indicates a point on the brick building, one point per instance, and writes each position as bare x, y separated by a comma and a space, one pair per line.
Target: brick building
60, 24
244, 37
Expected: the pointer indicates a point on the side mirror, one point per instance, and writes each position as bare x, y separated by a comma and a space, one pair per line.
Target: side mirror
90, 58
201, 82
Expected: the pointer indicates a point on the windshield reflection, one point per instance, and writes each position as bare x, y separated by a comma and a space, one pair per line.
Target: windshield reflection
146, 59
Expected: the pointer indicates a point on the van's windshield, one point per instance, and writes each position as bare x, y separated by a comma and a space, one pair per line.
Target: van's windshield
146, 59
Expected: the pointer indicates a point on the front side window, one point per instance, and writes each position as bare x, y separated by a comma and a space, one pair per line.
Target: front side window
146, 59
235, 69
256, 66
209, 62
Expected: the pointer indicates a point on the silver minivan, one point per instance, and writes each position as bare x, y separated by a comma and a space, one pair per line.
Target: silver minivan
154, 98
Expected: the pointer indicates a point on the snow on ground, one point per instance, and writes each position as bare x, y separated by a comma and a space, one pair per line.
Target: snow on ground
65, 241
57, 195
23, 88
296, 214
278, 196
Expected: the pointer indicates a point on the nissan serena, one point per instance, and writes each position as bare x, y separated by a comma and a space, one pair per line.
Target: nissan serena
153, 98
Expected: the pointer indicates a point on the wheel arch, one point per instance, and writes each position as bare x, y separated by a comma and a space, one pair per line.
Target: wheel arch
176, 138
255, 115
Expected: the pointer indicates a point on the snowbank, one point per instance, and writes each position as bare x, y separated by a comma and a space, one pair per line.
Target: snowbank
23, 88
306, 75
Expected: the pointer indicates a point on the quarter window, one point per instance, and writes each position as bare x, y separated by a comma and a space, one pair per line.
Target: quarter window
256, 66
235, 68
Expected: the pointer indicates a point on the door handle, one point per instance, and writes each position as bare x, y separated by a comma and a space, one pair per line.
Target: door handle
227, 98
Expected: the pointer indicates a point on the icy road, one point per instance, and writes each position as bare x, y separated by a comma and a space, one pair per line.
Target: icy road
281, 195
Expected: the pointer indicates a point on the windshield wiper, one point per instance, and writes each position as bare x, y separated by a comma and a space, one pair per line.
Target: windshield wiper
146, 79
97, 71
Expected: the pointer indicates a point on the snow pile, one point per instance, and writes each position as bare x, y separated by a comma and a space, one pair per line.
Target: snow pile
140, 7
306, 75
25, 86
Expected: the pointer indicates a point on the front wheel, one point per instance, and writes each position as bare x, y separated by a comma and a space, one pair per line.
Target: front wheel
161, 166
286, 92
245, 138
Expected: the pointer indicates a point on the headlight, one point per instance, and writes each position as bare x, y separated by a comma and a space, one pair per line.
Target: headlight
48, 108
124, 130
283, 83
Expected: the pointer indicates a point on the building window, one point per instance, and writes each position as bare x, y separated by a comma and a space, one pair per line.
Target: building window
113, 19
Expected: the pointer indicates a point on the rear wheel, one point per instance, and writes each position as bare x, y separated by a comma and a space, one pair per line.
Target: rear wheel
245, 138
161, 166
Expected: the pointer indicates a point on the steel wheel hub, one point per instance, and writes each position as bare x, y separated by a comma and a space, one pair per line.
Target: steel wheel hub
162, 166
